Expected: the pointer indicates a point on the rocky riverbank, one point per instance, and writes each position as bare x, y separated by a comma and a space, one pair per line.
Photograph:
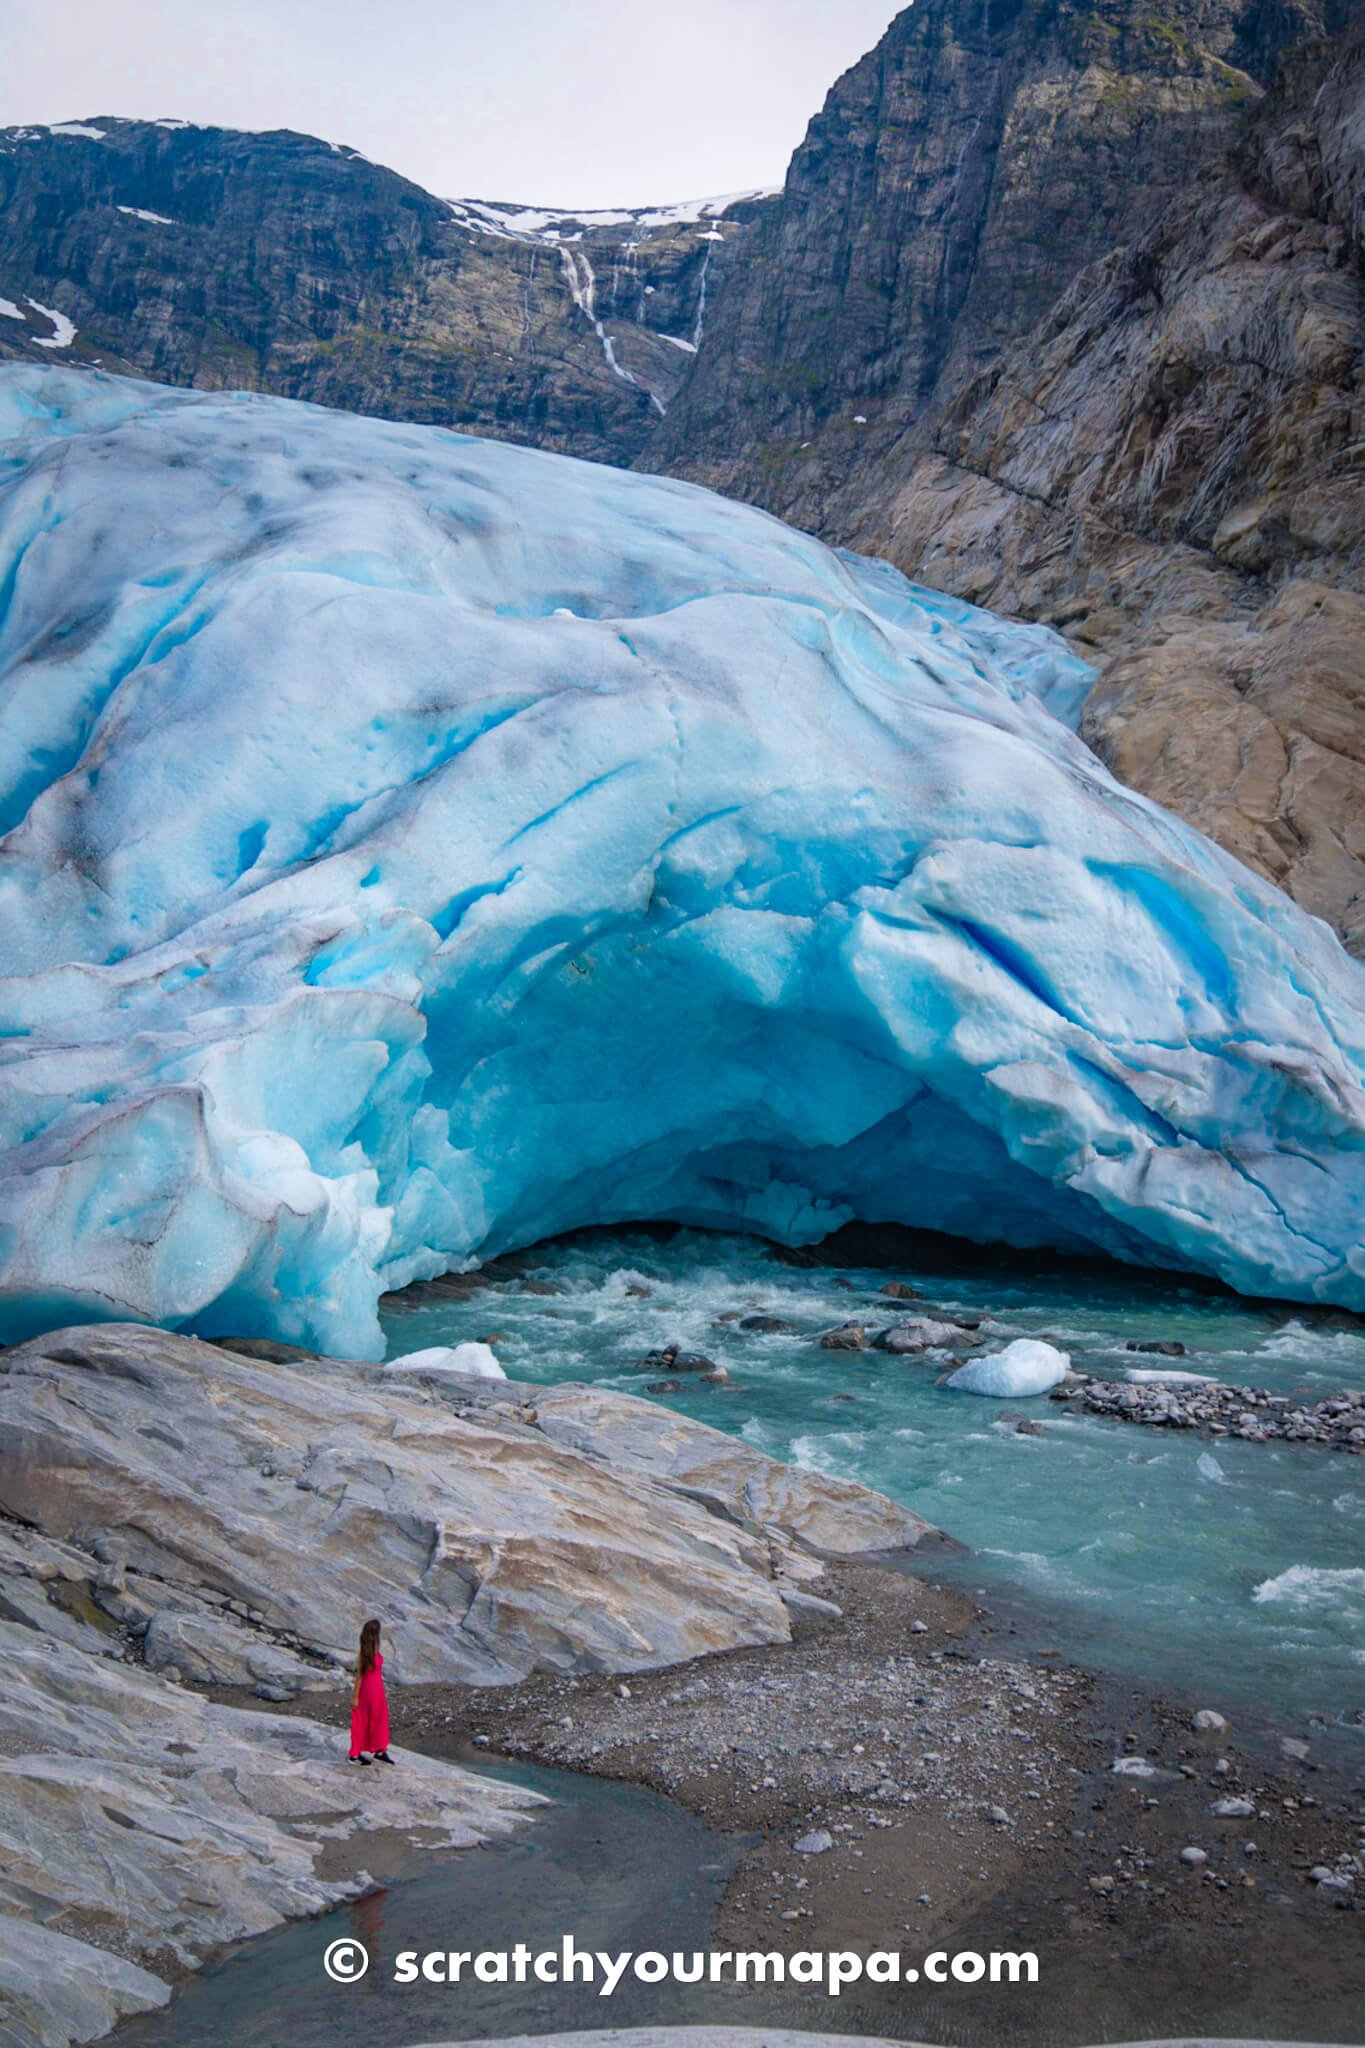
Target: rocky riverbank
1251, 1414
587, 1580
910, 1781
174, 1512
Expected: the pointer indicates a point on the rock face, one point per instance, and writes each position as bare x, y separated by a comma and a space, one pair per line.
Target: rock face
1171, 467
951, 187
281, 263
239, 1518
141, 1827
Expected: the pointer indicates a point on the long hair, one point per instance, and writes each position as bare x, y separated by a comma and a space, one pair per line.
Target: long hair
369, 1648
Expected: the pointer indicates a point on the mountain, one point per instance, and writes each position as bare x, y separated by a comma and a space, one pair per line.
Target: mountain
1171, 466
953, 184
1059, 309
281, 263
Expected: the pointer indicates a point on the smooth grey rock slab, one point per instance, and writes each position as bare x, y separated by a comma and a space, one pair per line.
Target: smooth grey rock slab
138, 1817
241, 1517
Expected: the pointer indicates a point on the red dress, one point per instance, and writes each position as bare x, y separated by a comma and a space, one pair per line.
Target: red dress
370, 1714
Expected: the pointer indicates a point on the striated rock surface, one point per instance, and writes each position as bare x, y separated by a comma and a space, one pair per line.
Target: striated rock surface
278, 262
829, 1514
1171, 467
142, 1827
171, 1510
237, 1518
953, 184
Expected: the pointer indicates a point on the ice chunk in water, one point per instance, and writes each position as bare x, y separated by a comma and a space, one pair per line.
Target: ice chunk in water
473, 1361
1152, 1375
1027, 1366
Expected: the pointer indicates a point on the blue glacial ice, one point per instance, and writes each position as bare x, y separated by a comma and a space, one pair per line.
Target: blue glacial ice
416, 846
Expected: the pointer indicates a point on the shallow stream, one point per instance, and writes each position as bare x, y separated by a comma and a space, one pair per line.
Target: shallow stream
619, 1868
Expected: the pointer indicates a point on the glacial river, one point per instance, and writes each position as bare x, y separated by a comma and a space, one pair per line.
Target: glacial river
1231, 1571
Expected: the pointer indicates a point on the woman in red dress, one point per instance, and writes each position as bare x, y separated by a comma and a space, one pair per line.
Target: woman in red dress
369, 1708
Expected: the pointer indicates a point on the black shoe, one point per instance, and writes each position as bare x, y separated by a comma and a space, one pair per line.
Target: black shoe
360, 1759
381, 1756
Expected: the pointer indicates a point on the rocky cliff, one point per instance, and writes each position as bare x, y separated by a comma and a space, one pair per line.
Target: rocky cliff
955, 181
1171, 466
281, 263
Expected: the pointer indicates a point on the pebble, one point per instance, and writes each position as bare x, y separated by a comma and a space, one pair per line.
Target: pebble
1194, 1857
998, 1815
1208, 1722
815, 1843
1233, 1809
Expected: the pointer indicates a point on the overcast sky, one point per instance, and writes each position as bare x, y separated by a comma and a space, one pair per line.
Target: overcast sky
571, 102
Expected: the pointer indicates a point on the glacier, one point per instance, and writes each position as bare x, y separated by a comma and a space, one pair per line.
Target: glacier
416, 846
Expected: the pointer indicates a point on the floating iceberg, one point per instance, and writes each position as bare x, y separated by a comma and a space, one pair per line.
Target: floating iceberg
416, 846
1027, 1366
470, 1361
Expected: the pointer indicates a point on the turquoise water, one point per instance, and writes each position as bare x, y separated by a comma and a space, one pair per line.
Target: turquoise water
1232, 1571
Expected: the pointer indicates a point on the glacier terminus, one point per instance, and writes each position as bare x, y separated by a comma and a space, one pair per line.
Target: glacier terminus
416, 846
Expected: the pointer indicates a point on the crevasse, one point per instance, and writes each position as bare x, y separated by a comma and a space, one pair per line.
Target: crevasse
416, 846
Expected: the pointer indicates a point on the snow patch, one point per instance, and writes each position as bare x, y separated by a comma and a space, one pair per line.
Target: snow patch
63, 330
80, 128
144, 213
555, 225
